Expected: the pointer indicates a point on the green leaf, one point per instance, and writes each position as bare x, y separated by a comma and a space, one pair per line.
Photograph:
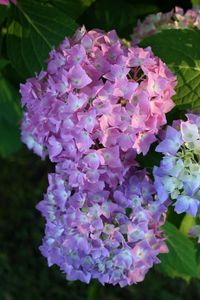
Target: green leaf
195, 2
9, 138
73, 8
120, 15
150, 160
3, 13
198, 259
187, 222
92, 291
34, 29
10, 115
181, 259
3, 63
10, 109
179, 49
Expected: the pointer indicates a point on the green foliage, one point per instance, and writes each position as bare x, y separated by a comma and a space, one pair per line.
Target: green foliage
10, 138
10, 114
186, 224
34, 30
72, 8
3, 13
3, 63
179, 49
150, 160
181, 261
195, 2
9, 101
120, 15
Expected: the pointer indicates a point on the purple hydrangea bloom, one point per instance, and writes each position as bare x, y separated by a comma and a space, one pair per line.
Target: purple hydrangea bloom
178, 176
114, 237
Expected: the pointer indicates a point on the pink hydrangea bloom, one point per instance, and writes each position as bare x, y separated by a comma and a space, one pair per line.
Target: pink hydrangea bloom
114, 237
173, 19
7, 2
96, 97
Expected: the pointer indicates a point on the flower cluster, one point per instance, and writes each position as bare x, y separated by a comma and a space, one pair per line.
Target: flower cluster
174, 19
96, 94
112, 236
97, 105
178, 175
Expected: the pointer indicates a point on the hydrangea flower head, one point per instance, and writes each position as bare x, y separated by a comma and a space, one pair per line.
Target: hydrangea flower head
96, 103
175, 19
113, 237
178, 175
96, 106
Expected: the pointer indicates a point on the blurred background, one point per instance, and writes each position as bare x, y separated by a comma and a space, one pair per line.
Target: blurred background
24, 274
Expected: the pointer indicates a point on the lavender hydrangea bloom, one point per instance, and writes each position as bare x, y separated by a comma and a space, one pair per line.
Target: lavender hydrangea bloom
178, 176
114, 237
171, 143
186, 203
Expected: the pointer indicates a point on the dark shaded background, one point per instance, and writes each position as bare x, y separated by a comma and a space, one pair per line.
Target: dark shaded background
24, 274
